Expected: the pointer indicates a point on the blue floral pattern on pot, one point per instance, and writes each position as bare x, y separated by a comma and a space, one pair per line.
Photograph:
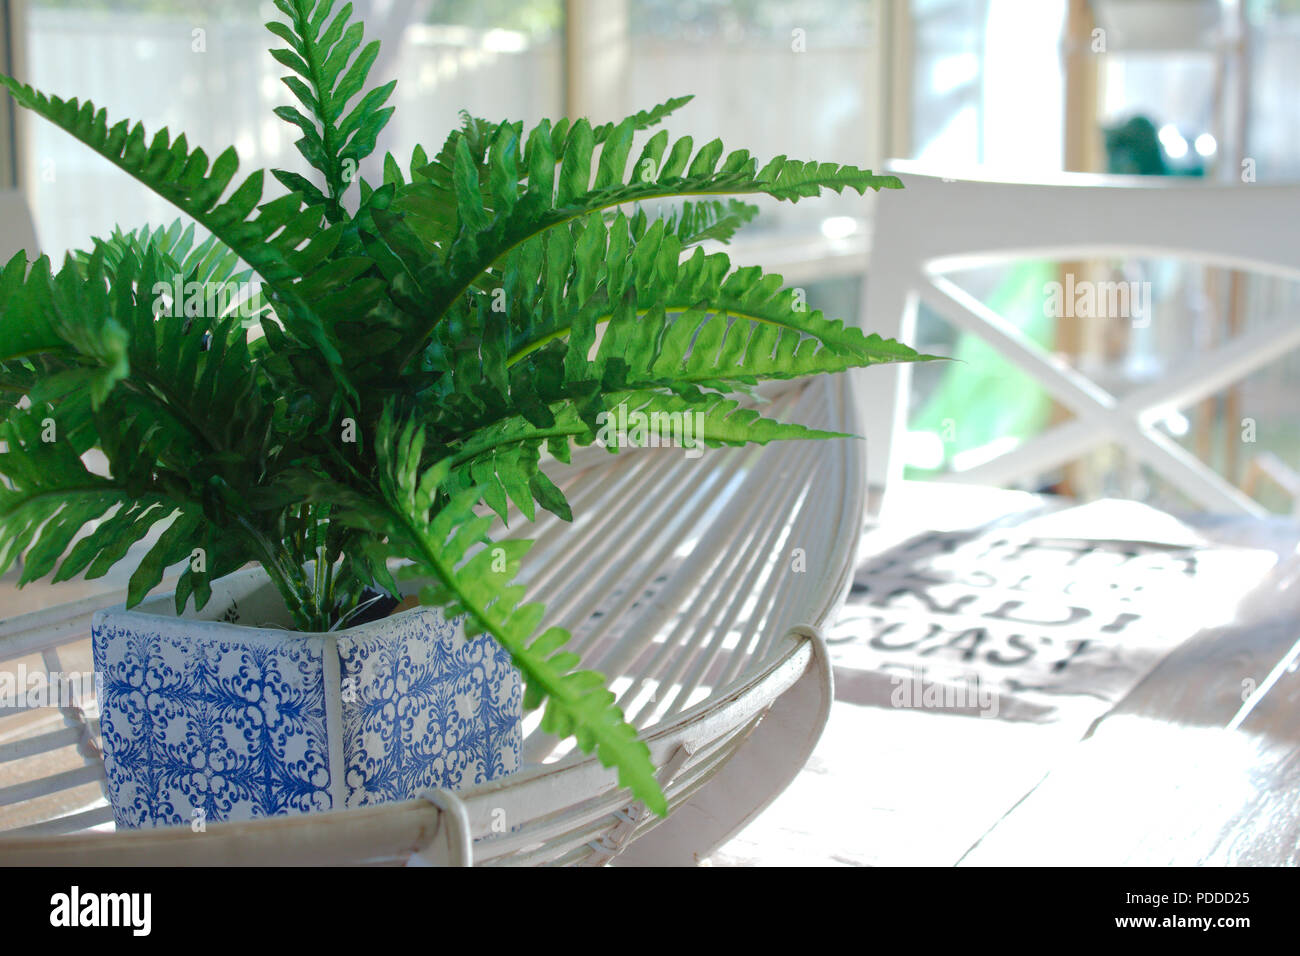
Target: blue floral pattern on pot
210, 720
423, 707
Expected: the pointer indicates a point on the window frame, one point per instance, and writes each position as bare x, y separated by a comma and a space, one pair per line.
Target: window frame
12, 122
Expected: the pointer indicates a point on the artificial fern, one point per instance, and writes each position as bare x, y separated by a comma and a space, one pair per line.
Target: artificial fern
410, 353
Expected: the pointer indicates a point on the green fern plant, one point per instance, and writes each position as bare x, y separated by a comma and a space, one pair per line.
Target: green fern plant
446, 319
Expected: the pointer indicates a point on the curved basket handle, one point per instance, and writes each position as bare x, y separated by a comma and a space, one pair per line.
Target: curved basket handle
754, 776
453, 821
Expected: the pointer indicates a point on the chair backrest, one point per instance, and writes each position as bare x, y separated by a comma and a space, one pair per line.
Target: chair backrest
937, 225
17, 231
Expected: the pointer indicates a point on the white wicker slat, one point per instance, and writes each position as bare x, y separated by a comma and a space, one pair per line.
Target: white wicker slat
832, 542
566, 850
42, 743
845, 503
699, 775
812, 527
589, 850
55, 749
745, 562
695, 624
32, 633
766, 562
662, 609
595, 470
43, 786
690, 574
743, 786
74, 718
620, 480
599, 840
773, 595
71, 823
723, 464
659, 558
784, 585
829, 542
588, 589
615, 560
757, 560
19, 709
391, 833
506, 848
638, 519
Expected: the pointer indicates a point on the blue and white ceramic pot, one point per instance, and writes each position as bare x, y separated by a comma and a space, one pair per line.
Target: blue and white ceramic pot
228, 715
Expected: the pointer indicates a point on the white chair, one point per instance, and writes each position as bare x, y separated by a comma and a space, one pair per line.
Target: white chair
938, 225
697, 586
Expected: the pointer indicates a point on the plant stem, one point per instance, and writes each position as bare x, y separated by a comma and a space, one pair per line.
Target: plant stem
293, 597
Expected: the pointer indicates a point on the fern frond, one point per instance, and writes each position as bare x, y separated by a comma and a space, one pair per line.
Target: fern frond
283, 242
56, 330
446, 541
325, 85
503, 460
683, 324
580, 189
48, 498
708, 219
718, 420
432, 196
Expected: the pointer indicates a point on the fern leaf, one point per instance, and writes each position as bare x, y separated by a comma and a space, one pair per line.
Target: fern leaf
446, 545
553, 200
269, 242
332, 68
692, 323
61, 322
207, 275
705, 220
49, 496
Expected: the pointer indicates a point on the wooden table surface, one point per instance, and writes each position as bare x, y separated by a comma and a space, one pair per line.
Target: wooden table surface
1178, 771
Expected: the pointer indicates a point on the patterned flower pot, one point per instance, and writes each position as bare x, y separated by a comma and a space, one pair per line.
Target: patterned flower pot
207, 718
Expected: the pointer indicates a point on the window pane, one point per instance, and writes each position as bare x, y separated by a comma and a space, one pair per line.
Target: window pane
770, 76
987, 83
498, 59
202, 68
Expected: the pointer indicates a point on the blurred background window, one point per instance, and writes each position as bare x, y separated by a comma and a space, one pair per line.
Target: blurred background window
1024, 88
1194, 88
201, 67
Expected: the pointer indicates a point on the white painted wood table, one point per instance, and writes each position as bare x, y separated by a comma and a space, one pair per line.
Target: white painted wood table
1160, 780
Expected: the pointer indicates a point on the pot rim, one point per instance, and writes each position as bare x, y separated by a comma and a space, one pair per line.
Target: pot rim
159, 611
